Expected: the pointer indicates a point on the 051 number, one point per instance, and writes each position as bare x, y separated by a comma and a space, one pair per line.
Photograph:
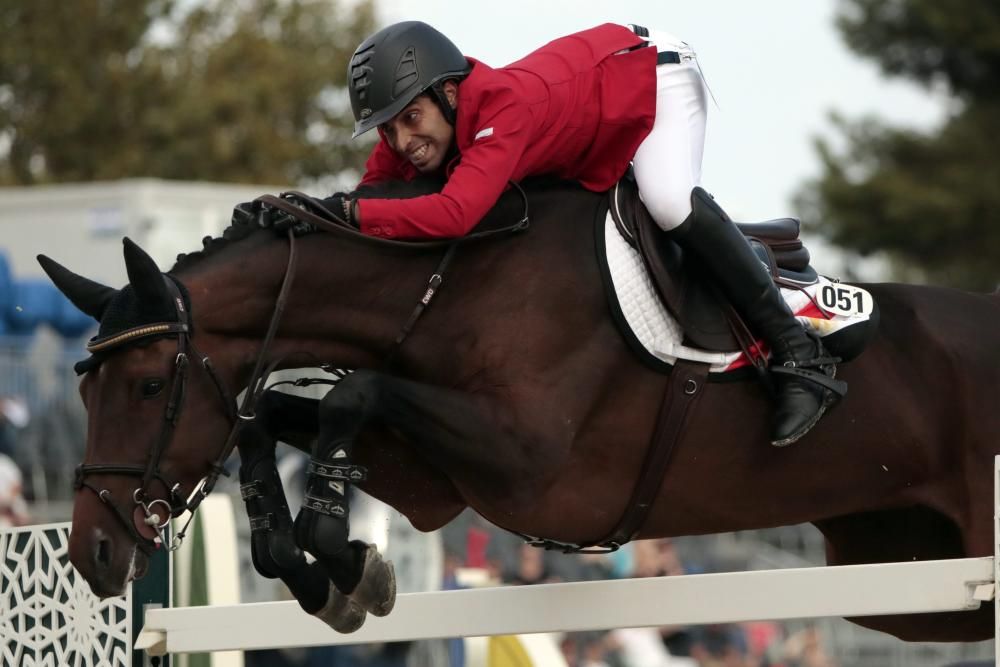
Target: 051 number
841, 299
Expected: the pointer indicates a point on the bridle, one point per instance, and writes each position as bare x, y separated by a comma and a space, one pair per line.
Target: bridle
156, 513
144, 508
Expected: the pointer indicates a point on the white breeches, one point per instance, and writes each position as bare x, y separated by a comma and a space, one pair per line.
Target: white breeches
668, 162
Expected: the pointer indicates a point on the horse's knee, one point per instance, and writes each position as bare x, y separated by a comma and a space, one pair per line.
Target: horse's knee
268, 403
354, 396
276, 411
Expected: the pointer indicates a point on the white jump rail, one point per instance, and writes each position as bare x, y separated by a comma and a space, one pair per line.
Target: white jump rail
854, 590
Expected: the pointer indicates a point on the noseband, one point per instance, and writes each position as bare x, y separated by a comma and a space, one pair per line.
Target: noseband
156, 513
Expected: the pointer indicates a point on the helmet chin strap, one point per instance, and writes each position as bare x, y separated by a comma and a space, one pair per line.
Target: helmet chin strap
437, 94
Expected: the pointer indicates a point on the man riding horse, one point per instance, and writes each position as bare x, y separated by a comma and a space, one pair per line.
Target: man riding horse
582, 108
486, 406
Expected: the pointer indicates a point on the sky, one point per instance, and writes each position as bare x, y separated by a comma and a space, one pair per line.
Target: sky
776, 68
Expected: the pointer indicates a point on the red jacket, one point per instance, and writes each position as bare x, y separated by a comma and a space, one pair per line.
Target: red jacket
575, 108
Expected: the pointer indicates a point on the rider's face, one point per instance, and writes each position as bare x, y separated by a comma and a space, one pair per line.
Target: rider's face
420, 132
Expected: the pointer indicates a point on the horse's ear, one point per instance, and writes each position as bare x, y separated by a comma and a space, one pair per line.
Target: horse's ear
90, 297
143, 274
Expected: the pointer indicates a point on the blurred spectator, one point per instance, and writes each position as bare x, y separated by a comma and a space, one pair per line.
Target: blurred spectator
585, 649
666, 646
660, 558
764, 639
805, 649
721, 646
530, 568
14, 415
13, 508
644, 647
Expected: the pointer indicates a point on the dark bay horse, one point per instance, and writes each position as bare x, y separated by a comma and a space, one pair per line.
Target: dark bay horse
516, 395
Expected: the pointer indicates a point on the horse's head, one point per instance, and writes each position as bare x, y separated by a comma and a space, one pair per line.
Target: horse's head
151, 400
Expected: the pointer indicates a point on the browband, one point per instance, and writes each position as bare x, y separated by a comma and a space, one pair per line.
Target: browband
95, 345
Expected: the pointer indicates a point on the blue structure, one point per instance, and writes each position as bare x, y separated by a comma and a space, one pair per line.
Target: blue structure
27, 304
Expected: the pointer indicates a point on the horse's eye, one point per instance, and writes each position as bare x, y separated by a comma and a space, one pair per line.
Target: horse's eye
151, 388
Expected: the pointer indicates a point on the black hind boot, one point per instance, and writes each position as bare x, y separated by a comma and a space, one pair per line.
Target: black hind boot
803, 393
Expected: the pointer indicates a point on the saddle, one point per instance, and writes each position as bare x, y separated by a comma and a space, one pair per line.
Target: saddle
683, 284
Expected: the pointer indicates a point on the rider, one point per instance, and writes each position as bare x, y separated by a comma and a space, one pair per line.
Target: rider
581, 107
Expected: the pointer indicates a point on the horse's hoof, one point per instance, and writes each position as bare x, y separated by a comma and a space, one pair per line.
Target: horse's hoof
342, 613
376, 591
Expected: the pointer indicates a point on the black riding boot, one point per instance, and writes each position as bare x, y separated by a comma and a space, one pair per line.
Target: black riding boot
802, 394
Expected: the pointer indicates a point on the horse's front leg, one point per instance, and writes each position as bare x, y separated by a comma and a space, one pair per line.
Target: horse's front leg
289, 418
273, 550
447, 427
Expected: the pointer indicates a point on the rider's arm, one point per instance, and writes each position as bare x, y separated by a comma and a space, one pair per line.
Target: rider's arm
471, 191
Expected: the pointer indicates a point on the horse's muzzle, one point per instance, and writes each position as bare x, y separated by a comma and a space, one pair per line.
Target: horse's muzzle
108, 562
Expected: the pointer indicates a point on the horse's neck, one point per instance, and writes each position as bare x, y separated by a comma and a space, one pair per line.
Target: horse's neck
350, 300
346, 304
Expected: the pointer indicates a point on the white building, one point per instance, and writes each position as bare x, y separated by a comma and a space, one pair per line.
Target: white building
81, 225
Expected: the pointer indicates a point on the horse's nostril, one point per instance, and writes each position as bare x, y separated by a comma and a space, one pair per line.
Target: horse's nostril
103, 553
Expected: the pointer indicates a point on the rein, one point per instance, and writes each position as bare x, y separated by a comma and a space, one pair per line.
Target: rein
144, 508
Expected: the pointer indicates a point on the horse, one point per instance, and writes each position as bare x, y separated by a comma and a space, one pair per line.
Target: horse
515, 394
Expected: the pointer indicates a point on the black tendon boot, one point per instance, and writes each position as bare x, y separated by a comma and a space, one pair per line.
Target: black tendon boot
803, 394
272, 548
365, 581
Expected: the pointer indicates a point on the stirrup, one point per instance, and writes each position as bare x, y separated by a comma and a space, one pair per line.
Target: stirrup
832, 391
804, 370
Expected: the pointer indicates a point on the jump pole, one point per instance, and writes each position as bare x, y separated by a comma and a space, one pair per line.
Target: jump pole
852, 590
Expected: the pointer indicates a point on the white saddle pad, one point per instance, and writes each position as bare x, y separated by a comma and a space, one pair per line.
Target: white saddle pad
825, 307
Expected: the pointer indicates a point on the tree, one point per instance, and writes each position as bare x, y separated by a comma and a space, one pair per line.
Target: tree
248, 91
930, 200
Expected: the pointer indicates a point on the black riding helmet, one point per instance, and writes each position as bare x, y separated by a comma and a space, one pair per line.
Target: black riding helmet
396, 64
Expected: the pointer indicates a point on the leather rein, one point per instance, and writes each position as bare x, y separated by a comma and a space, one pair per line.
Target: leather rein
146, 509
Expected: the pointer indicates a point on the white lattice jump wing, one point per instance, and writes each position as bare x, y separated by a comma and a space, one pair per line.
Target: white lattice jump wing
48, 616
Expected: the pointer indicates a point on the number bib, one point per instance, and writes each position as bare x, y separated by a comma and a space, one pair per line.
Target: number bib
845, 300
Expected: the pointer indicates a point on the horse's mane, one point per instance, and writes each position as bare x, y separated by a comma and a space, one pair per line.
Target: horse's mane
422, 185
239, 230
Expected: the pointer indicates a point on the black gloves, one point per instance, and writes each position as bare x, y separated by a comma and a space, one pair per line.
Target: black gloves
245, 213
342, 206
262, 215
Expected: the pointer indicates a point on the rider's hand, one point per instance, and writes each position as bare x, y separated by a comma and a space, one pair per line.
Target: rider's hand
282, 222
342, 206
246, 213
262, 215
